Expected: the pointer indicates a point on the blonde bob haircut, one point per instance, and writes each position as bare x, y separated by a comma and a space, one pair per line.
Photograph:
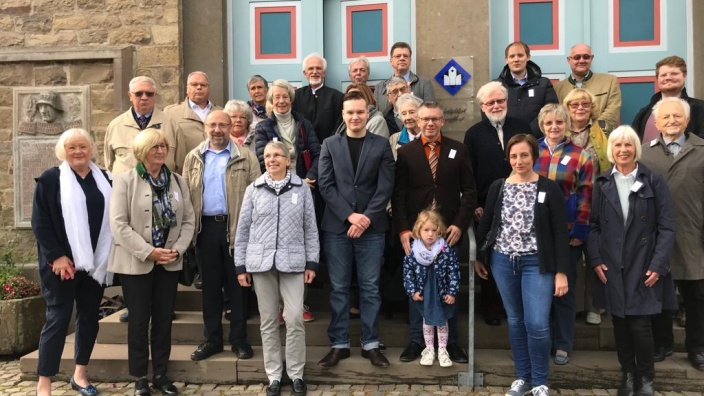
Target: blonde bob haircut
624, 132
557, 110
579, 94
68, 136
147, 139
432, 216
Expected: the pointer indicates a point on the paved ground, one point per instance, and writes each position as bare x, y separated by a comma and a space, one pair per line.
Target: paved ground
12, 385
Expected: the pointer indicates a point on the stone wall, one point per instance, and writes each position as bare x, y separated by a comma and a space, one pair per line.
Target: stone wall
152, 28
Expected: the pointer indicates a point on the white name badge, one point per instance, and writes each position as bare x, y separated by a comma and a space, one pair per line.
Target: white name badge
541, 196
294, 198
453, 152
653, 142
531, 92
176, 196
565, 160
636, 186
275, 139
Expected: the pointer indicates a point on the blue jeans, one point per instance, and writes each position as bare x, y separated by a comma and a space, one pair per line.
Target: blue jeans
527, 296
563, 308
415, 321
368, 252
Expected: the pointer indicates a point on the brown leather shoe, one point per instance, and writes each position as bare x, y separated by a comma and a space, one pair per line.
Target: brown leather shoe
334, 356
376, 357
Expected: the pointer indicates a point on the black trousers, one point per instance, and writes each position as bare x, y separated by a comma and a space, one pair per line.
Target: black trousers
152, 297
88, 294
218, 272
692, 292
634, 344
663, 335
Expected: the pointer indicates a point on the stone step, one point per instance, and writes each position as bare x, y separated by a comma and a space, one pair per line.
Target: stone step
586, 370
188, 329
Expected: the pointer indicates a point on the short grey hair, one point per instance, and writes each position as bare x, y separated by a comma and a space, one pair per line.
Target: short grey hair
71, 134
198, 72
279, 145
624, 132
408, 98
238, 105
361, 59
257, 78
140, 79
685, 106
393, 81
315, 55
489, 88
557, 110
281, 83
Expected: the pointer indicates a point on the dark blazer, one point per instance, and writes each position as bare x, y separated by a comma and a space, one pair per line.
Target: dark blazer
644, 243
266, 130
324, 109
488, 158
550, 226
50, 232
696, 115
366, 192
453, 189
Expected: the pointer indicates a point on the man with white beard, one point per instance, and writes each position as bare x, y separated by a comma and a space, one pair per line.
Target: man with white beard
486, 141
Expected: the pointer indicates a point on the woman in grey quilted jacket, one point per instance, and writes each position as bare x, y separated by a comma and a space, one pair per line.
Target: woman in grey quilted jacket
277, 249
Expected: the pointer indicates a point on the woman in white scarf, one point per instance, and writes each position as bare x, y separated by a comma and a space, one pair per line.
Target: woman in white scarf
71, 224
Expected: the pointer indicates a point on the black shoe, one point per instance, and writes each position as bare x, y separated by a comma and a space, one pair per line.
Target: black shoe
125, 316
198, 281
492, 321
627, 384
697, 360
334, 356
646, 387
661, 353
411, 353
88, 390
141, 387
274, 388
299, 387
376, 357
164, 384
243, 350
457, 353
206, 350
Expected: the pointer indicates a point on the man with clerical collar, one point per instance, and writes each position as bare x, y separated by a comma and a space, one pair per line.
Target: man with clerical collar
433, 171
400, 59
141, 115
671, 73
677, 153
604, 87
318, 103
190, 114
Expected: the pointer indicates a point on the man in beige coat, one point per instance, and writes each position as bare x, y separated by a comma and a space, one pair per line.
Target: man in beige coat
142, 115
604, 87
678, 155
190, 114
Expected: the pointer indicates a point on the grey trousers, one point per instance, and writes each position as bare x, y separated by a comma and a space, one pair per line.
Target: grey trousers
271, 287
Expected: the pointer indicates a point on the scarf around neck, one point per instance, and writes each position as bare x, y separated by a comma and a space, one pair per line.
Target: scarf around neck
425, 256
277, 185
75, 214
259, 110
163, 215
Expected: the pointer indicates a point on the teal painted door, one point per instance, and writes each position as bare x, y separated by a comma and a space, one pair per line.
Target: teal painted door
271, 38
628, 37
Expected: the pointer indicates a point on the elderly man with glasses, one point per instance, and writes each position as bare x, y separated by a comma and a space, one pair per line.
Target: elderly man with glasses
604, 87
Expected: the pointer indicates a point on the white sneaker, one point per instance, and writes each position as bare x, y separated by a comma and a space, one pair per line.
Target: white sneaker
541, 390
427, 356
593, 318
444, 358
518, 388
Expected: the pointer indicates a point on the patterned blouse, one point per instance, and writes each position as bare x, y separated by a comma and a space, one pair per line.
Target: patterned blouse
517, 232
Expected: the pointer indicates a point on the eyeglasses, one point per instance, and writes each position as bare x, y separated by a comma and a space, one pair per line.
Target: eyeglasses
584, 105
428, 120
400, 90
401, 56
579, 57
493, 102
73, 149
139, 94
275, 155
196, 85
160, 146
215, 125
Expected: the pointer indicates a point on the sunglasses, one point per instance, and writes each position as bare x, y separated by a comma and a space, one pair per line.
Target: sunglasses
579, 57
493, 102
139, 94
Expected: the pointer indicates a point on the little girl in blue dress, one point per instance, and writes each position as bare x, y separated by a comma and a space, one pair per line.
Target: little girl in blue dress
431, 278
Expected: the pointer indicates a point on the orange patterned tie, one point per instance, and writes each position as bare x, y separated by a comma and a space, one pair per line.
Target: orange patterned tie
433, 158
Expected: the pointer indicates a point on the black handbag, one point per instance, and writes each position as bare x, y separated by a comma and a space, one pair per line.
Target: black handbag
190, 267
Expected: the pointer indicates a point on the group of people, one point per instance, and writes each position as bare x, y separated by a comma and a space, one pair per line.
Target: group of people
267, 190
